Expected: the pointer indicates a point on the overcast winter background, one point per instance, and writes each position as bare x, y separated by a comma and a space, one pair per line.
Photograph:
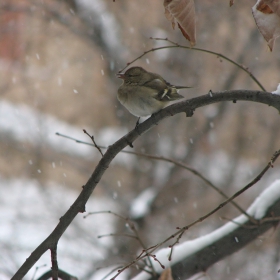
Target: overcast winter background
58, 61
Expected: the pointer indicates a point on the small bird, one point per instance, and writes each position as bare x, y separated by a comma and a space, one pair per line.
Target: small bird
144, 93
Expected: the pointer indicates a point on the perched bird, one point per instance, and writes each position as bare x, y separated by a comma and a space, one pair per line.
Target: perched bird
144, 93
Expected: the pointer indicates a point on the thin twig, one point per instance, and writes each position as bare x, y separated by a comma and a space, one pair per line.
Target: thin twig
131, 226
110, 272
253, 182
94, 143
176, 45
54, 262
179, 233
219, 55
178, 163
105, 212
117, 234
76, 140
141, 256
61, 275
36, 270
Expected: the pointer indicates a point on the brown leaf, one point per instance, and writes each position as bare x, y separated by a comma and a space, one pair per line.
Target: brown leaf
169, 16
166, 275
183, 32
267, 16
183, 11
263, 7
274, 5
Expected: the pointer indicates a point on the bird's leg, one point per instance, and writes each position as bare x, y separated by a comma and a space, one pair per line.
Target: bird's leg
137, 123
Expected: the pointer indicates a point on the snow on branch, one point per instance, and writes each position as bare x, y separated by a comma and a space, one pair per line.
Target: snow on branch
197, 255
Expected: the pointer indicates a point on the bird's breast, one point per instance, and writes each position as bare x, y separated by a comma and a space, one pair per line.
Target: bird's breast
140, 103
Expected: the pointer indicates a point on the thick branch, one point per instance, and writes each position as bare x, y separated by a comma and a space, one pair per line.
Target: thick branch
187, 106
229, 244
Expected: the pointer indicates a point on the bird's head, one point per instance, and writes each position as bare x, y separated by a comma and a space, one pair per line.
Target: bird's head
134, 75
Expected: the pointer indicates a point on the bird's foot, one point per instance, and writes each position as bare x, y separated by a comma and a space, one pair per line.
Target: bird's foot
138, 122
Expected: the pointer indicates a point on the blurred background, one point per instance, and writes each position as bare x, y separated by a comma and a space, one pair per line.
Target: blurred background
58, 65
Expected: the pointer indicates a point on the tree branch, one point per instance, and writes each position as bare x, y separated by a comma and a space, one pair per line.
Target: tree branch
229, 244
187, 106
61, 274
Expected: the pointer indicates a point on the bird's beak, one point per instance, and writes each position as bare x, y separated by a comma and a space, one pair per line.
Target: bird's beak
120, 75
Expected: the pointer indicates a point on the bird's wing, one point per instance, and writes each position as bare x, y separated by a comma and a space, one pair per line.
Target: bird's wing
164, 91
168, 94
160, 87
156, 84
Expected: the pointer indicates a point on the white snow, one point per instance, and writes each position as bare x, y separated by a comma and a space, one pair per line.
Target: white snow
180, 252
23, 123
29, 211
265, 200
140, 206
163, 54
28, 214
277, 91
107, 274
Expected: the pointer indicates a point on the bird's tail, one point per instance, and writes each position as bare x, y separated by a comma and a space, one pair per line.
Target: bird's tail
180, 87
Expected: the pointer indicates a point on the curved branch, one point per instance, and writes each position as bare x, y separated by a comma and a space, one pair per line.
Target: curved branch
61, 274
228, 244
176, 45
187, 106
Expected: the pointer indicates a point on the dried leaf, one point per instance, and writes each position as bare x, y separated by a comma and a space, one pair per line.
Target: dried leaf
274, 5
166, 275
183, 11
262, 6
267, 16
170, 17
183, 32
